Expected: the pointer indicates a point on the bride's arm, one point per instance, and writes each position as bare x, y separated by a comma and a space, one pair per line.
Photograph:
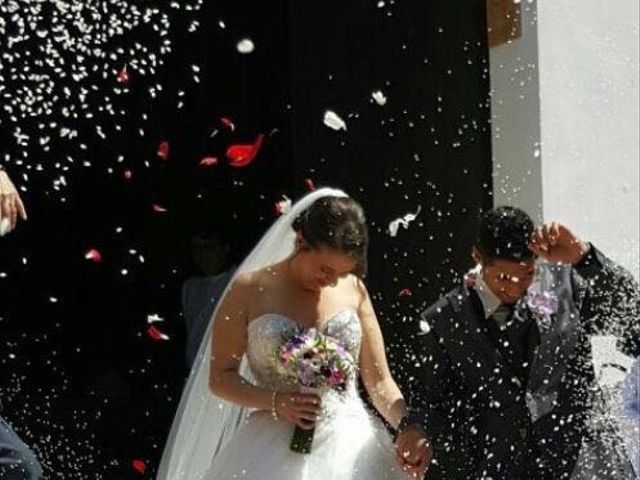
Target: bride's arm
374, 369
229, 342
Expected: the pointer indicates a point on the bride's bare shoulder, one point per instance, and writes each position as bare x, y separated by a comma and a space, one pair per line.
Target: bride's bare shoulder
257, 279
359, 288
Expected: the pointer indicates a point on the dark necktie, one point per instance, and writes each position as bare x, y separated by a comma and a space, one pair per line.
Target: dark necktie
511, 334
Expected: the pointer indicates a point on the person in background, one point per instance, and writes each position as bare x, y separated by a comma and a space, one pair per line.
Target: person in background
17, 461
11, 206
200, 294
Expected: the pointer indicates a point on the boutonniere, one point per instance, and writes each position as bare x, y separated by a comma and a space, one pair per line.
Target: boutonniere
471, 276
543, 304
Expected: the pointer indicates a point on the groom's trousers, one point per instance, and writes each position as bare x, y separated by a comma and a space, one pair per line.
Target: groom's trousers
17, 461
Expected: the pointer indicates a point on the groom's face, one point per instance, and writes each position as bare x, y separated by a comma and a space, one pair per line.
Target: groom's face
507, 279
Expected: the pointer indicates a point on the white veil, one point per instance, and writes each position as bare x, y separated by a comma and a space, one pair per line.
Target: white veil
204, 422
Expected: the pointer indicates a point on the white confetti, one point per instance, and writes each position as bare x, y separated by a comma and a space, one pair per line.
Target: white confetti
379, 98
332, 120
85, 57
424, 327
245, 46
404, 221
153, 318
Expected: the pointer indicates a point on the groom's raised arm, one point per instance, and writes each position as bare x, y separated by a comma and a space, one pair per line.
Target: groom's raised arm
609, 299
606, 294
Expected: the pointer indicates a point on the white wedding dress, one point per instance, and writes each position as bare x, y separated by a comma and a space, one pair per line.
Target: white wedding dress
349, 442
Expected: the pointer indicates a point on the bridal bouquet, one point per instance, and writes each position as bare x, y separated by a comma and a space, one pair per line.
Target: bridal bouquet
313, 363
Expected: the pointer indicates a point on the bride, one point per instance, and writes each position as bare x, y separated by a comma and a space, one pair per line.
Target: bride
238, 413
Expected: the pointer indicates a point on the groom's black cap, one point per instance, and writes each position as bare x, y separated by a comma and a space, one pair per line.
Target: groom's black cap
505, 233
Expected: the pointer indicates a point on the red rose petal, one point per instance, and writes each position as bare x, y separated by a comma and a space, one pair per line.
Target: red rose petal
158, 208
93, 255
123, 76
243, 155
209, 162
139, 466
310, 185
405, 292
156, 334
163, 150
227, 122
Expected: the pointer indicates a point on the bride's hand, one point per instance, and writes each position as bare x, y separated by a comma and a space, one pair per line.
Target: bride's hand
302, 409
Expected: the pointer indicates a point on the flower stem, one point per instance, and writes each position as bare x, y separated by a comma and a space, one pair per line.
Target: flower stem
302, 440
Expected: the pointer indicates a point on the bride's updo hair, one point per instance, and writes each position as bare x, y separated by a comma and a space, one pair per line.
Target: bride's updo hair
337, 223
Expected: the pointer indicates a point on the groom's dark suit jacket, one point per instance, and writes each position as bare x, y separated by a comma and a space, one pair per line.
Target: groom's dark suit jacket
514, 407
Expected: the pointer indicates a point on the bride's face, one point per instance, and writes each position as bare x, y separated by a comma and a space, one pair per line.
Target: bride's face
317, 268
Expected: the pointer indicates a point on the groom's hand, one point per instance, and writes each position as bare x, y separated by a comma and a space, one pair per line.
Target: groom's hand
557, 244
413, 451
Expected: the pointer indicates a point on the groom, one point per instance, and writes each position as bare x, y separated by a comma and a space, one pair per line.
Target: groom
501, 370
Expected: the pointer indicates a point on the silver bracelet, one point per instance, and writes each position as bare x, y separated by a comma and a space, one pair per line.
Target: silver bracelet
274, 412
